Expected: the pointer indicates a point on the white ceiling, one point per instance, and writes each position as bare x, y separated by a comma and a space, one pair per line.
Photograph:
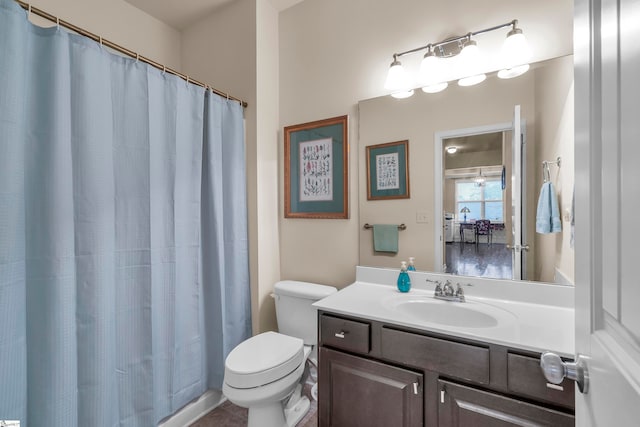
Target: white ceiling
180, 14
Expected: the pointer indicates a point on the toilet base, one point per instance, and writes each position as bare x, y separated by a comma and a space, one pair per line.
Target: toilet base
295, 413
267, 415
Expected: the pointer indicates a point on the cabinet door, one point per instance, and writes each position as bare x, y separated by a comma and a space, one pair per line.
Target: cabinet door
466, 406
357, 392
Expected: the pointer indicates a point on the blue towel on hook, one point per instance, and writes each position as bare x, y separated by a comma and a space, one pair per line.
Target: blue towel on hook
548, 214
385, 238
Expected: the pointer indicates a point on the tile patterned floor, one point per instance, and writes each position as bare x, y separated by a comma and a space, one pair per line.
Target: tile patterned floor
230, 415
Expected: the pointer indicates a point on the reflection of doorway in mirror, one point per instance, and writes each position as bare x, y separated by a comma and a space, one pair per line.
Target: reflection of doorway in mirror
473, 181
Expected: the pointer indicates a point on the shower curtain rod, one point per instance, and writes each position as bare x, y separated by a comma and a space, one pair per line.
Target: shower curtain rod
122, 50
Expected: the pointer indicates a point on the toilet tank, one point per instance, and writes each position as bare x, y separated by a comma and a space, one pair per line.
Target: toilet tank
296, 316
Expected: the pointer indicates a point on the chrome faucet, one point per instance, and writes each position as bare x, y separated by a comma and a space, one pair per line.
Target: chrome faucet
447, 292
447, 289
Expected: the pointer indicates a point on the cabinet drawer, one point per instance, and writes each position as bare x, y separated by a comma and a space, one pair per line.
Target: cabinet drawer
465, 361
525, 378
346, 334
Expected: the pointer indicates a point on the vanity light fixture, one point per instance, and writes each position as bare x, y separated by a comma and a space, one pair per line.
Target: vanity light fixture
433, 73
452, 149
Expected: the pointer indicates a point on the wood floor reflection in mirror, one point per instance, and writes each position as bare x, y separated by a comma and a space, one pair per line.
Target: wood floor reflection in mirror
479, 260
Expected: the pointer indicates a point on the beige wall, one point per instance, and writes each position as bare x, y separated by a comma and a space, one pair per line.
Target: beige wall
121, 23
334, 53
237, 49
554, 89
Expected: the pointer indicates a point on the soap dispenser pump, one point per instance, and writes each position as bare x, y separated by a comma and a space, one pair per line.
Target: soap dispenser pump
412, 266
404, 281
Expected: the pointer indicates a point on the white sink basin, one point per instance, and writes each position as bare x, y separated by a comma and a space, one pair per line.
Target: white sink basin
468, 314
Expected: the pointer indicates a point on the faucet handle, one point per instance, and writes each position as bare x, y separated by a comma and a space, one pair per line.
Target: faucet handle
438, 289
460, 293
447, 289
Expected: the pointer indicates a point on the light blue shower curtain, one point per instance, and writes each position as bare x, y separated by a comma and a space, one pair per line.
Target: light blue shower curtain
123, 233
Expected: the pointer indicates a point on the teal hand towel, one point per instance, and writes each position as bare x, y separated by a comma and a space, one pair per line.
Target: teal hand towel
548, 213
385, 238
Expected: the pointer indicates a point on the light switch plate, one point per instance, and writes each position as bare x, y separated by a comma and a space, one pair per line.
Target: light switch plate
422, 217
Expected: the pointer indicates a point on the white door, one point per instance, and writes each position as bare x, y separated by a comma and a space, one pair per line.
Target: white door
518, 245
607, 69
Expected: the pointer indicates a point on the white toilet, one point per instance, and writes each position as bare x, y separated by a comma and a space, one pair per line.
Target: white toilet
264, 373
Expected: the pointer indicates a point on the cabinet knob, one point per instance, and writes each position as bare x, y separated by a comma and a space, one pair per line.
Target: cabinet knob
340, 334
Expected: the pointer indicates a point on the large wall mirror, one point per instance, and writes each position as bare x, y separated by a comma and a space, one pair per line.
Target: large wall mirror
451, 191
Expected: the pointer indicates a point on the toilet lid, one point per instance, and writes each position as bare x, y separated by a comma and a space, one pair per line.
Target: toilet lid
262, 359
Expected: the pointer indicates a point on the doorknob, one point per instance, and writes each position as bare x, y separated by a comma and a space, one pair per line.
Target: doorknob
555, 370
518, 247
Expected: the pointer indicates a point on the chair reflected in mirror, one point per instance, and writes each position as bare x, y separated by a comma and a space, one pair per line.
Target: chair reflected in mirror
483, 228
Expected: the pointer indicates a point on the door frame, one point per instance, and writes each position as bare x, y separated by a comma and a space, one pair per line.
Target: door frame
438, 171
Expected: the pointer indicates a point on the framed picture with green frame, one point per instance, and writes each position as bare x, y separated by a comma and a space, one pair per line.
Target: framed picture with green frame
388, 171
316, 169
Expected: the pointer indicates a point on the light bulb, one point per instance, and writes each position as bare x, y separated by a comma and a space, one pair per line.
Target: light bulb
472, 80
515, 49
471, 65
396, 77
509, 73
402, 94
435, 88
432, 69
432, 72
470, 50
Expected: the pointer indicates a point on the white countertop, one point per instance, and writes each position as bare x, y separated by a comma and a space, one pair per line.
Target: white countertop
531, 316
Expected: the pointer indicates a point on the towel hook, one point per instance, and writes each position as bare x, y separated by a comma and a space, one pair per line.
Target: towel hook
546, 174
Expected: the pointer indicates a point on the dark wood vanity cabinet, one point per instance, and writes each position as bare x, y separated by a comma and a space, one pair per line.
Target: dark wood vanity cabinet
466, 406
367, 393
376, 374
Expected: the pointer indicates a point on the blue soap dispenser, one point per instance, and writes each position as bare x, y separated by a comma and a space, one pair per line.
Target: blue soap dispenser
412, 266
404, 281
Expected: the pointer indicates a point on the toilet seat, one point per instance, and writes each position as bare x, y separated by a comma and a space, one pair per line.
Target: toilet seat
263, 359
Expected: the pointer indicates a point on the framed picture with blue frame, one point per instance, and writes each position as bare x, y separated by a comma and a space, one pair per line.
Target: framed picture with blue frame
316, 169
388, 171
